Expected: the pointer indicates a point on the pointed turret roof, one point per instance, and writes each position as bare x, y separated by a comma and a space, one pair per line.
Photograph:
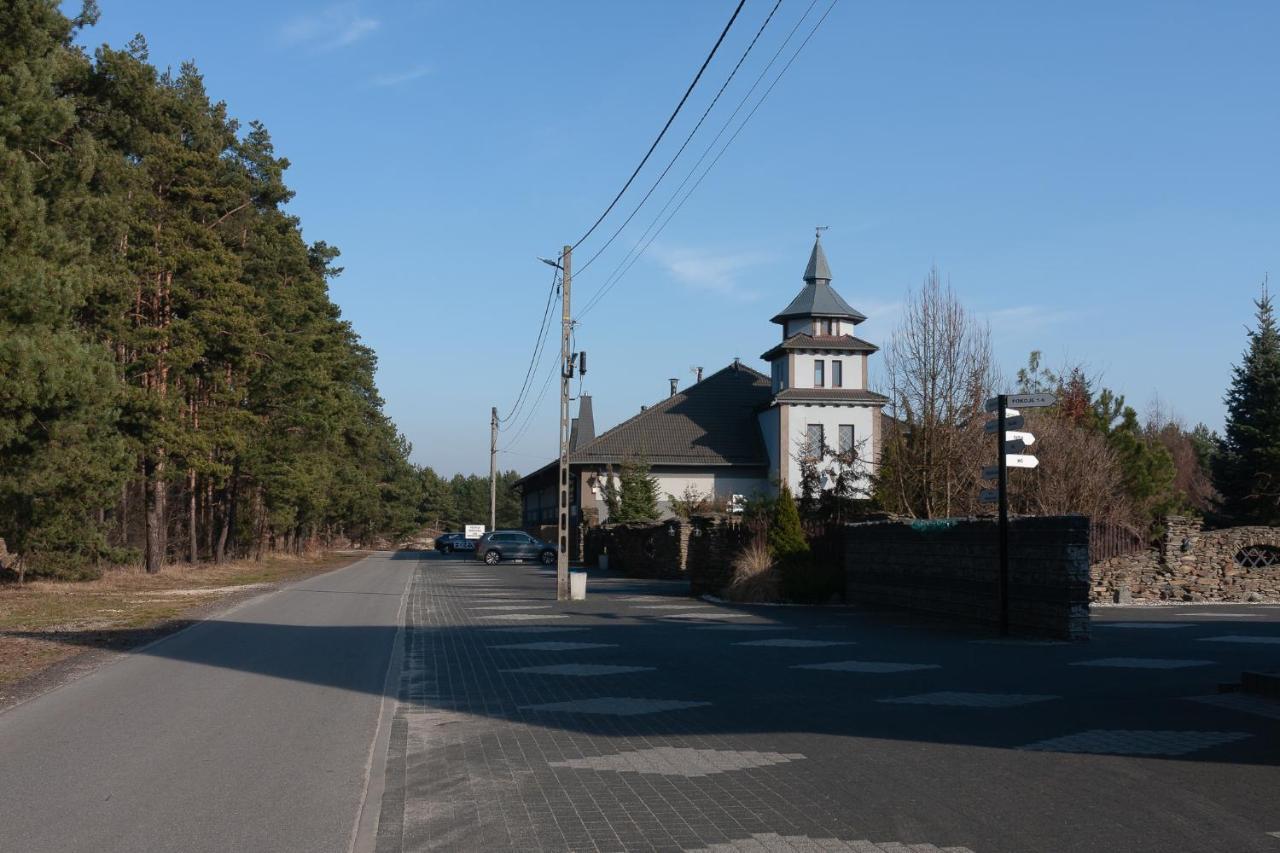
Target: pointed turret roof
817, 270
818, 298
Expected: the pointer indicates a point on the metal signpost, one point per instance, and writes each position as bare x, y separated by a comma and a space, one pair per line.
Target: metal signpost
1011, 444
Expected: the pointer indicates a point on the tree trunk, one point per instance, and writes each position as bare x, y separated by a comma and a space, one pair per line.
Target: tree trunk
193, 554
155, 516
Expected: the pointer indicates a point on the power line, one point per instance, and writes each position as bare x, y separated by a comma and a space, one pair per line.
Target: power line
641, 245
538, 345
686, 142
532, 410
663, 132
638, 250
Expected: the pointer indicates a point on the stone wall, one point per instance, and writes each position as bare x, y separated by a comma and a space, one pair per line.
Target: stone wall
950, 568
643, 550
1193, 564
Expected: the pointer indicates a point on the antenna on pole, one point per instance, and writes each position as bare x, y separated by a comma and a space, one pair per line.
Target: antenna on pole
817, 231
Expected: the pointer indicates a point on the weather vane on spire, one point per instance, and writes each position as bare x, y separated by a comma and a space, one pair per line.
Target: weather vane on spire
817, 231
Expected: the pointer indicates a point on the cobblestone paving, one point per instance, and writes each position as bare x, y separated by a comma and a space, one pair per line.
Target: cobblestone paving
623, 724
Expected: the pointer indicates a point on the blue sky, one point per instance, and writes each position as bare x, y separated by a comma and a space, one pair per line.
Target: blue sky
1099, 180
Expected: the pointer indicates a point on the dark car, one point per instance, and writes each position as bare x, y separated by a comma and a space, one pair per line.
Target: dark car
501, 545
450, 542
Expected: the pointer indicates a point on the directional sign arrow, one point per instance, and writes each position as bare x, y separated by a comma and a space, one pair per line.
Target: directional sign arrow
1016, 460
1032, 401
1027, 401
1013, 422
989, 496
1025, 437
990, 472
1016, 445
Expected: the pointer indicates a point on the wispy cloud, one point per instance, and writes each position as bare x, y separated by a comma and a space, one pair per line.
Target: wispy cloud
396, 78
717, 272
884, 313
1027, 318
332, 27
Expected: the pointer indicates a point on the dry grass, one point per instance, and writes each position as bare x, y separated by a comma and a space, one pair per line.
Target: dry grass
44, 622
755, 578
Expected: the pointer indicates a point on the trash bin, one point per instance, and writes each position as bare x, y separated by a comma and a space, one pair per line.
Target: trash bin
578, 586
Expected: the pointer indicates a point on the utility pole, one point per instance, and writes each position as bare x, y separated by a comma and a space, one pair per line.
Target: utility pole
566, 372
1002, 483
493, 469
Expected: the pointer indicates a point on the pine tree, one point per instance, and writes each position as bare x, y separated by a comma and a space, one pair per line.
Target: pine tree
638, 492
786, 536
1246, 466
60, 455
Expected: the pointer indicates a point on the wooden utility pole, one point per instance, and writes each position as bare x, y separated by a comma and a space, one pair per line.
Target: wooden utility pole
493, 468
566, 373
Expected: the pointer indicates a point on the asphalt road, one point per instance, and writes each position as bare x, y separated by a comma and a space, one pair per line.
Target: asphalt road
250, 731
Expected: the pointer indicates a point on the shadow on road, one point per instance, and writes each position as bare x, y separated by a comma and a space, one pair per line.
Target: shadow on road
744, 686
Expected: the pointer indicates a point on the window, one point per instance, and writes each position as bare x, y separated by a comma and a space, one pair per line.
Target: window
846, 438
819, 368
837, 373
817, 442
828, 328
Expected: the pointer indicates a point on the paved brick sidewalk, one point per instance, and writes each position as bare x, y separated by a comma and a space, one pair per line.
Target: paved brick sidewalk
642, 720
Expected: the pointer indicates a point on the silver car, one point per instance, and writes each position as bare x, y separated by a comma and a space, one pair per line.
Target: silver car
501, 545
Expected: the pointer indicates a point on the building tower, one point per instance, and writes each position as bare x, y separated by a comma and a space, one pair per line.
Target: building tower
819, 372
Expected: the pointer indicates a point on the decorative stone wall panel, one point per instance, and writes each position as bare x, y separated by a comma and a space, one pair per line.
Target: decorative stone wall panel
1192, 564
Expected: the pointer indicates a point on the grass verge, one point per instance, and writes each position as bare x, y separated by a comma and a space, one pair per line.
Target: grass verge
44, 623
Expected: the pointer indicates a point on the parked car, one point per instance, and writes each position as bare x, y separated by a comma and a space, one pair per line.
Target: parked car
501, 545
450, 542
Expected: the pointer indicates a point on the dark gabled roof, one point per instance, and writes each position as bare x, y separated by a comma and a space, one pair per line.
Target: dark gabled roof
804, 341
710, 423
829, 395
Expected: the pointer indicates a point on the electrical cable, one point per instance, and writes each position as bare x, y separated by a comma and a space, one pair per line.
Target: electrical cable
538, 345
629, 260
532, 410
685, 144
663, 132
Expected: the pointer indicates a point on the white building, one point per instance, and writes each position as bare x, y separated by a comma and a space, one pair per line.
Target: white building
738, 431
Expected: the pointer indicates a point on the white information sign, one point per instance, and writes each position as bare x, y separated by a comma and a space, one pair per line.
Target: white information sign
474, 531
1016, 460
1026, 401
1025, 437
989, 496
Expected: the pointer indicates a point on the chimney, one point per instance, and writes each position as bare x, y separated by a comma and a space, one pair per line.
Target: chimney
642, 408
736, 362
699, 379
673, 382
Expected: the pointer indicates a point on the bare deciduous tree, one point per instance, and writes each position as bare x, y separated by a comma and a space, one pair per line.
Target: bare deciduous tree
938, 372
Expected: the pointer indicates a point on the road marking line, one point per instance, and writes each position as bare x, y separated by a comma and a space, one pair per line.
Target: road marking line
873, 666
1143, 663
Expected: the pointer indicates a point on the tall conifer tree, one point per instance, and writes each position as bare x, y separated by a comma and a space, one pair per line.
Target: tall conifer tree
1246, 468
60, 456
